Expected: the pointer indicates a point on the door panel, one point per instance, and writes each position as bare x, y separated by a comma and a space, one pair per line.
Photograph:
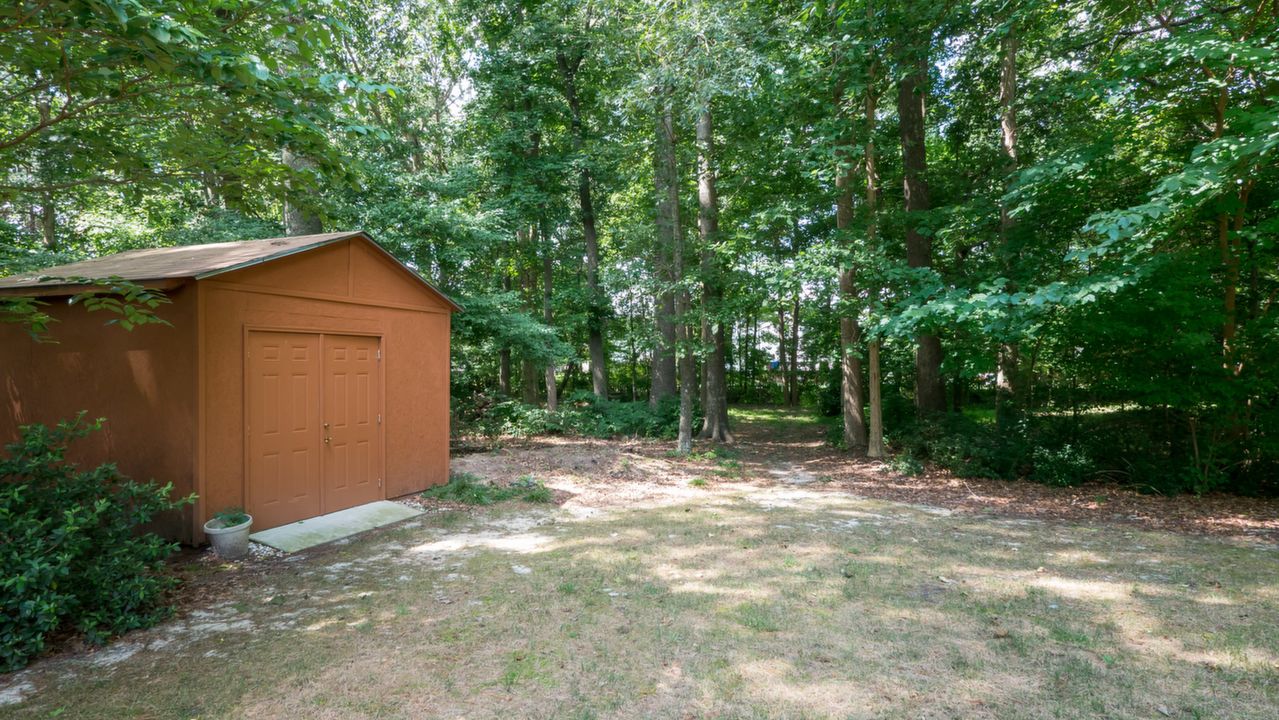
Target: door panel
352, 436
283, 399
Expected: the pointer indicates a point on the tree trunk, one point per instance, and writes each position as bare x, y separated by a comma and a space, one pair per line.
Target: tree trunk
783, 357
48, 210
793, 376
875, 440
528, 289
930, 396
504, 372
715, 396
875, 443
665, 184
684, 350
851, 388
49, 223
548, 275
504, 355
297, 219
596, 304
1008, 372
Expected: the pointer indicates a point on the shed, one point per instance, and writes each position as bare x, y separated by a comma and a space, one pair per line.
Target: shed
298, 376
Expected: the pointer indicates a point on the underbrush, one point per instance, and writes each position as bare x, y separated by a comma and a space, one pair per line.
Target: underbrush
580, 413
1135, 449
73, 552
469, 489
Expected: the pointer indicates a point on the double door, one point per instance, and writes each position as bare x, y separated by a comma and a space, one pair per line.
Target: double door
313, 424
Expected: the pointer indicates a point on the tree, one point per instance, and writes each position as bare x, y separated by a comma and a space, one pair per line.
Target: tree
715, 407
912, 52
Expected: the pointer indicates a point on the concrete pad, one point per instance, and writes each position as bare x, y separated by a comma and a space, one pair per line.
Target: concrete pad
334, 526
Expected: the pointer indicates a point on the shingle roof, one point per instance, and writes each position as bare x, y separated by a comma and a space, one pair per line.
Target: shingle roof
187, 261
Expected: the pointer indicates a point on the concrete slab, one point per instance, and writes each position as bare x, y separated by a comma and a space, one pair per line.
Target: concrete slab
334, 526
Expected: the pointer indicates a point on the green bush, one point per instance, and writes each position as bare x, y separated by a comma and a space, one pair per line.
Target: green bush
1066, 465
470, 489
580, 413
72, 554
964, 446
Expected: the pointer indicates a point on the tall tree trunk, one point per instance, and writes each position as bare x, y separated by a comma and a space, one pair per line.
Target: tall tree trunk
715, 397
875, 439
666, 187
930, 396
596, 304
687, 363
528, 288
548, 276
1008, 374
48, 210
793, 375
875, 443
297, 219
687, 378
852, 399
504, 354
783, 356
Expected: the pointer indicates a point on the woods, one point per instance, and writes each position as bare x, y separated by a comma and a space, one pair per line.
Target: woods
1020, 240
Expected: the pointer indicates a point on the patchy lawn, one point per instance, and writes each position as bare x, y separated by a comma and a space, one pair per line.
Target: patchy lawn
741, 584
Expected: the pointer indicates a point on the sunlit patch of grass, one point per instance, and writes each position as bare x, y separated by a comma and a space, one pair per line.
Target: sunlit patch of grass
524, 666
757, 616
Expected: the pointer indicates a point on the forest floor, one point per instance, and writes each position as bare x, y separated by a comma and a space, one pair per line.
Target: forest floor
778, 579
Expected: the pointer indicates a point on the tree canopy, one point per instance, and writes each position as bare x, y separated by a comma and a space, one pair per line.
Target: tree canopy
1019, 238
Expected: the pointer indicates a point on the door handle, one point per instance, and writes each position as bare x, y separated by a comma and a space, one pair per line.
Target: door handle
327, 438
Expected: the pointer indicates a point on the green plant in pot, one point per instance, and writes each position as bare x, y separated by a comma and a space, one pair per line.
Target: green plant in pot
228, 532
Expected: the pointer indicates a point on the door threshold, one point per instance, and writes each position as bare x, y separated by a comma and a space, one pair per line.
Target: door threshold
338, 525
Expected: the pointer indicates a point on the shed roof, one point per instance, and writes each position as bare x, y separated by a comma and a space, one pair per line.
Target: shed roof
189, 261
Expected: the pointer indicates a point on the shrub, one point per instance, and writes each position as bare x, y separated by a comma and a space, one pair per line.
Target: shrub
470, 489
580, 413
1065, 466
72, 553
905, 463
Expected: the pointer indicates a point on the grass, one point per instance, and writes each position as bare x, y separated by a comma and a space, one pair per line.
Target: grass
741, 603
470, 490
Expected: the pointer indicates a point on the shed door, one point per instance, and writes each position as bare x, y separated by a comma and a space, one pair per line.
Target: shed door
314, 425
283, 416
352, 416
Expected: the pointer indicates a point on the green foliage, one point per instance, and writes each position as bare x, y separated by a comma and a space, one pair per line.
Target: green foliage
470, 489
133, 303
73, 553
1066, 465
94, 91
231, 517
579, 414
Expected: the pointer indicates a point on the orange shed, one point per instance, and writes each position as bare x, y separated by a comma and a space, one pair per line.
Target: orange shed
298, 376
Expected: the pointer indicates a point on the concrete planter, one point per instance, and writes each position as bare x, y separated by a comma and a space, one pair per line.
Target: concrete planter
231, 543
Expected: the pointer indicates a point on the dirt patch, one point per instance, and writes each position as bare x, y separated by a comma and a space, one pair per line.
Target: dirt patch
788, 449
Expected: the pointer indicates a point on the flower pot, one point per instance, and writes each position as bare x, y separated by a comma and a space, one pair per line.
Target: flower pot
231, 543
